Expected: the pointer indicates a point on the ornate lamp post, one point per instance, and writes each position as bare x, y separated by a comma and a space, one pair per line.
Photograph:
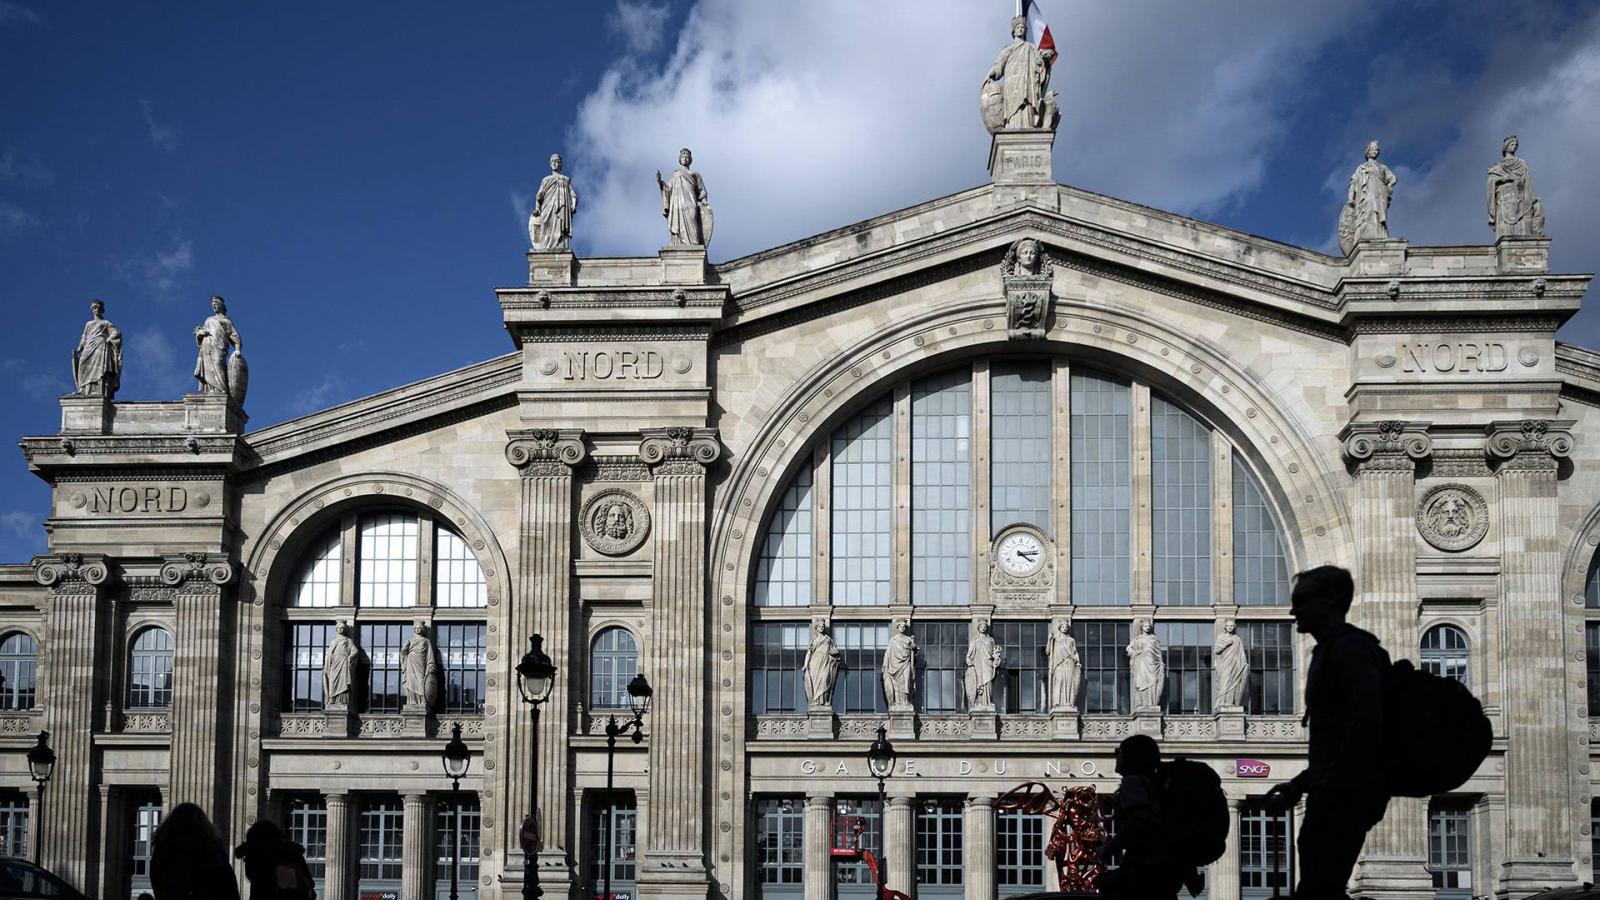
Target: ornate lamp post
639, 694
880, 762
41, 765
536, 675
457, 759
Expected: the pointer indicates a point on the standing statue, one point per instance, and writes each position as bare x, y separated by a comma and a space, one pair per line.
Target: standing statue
821, 666
686, 204
1365, 216
213, 368
419, 667
338, 668
899, 666
1016, 92
1148, 666
1513, 209
1066, 670
550, 226
984, 658
1232, 665
97, 362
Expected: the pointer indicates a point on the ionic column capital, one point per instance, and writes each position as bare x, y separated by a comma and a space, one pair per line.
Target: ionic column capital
1527, 444
678, 445
545, 451
180, 568
92, 569
1387, 446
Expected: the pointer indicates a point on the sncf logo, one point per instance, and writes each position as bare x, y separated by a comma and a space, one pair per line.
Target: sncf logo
1251, 768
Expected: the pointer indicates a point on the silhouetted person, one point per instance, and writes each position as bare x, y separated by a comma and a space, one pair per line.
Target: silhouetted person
188, 860
274, 865
1344, 709
1148, 870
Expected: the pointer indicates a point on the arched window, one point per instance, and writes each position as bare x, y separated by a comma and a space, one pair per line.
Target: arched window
19, 664
150, 670
319, 580
613, 661
1445, 653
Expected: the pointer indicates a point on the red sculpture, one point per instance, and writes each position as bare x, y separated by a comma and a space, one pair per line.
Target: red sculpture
1079, 830
847, 846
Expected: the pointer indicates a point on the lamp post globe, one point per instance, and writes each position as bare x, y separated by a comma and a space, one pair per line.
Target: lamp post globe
536, 676
639, 694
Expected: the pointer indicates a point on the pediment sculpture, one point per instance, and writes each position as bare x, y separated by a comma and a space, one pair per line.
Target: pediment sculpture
1027, 276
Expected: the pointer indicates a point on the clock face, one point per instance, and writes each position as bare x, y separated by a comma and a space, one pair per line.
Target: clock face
1021, 553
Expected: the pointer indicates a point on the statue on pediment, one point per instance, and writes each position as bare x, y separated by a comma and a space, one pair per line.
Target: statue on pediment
1066, 667
550, 226
821, 666
1365, 216
419, 669
1513, 209
1027, 276
686, 205
97, 361
339, 663
216, 370
1148, 667
1016, 92
1232, 664
899, 666
984, 658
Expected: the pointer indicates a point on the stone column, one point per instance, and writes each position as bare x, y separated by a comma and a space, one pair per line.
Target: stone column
416, 881
542, 605
197, 676
817, 841
674, 858
336, 879
1394, 863
898, 846
72, 622
113, 833
979, 842
1539, 798
1224, 877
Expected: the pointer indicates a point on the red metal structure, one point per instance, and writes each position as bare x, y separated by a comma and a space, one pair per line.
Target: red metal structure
1080, 828
847, 832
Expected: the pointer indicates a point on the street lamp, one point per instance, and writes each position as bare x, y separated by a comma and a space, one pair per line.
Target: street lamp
41, 765
536, 675
457, 760
639, 694
880, 762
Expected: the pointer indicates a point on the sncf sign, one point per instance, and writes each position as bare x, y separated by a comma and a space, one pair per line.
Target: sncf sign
1251, 768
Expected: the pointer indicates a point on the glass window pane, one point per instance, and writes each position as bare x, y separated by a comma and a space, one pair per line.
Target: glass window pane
783, 572
866, 814
1187, 647
1023, 685
462, 650
1102, 646
14, 824
1260, 564
863, 500
381, 831
150, 670
860, 686
780, 841
941, 489
387, 576
1102, 489
1180, 508
619, 822
1019, 850
382, 643
1445, 653
453, 823
1269, 688
303, 661
458, 578
939, 851
19, 665
777, 667
1263, 850
308, 827
1450, 848
319, 579
941, 660
1019, 438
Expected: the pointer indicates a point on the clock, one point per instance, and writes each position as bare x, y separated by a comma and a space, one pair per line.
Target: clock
1021, 554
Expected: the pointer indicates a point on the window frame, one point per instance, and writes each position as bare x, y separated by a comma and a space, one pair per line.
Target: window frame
1445, 661
21, 670
779, 836
155, 664
939, 846
610, 678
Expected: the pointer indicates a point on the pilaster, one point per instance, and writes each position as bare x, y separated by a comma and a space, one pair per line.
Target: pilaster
1539, 800
898, 851
674, 833
543, 602
1384, 455
1224, 875
72, 623
417, 843
817, 841
336, 880
198, 745
979, 840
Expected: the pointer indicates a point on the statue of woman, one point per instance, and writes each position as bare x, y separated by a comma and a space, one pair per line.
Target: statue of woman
1148, 667
983, 664
1232, 665
1365, 216
1513, 209
1065, 667
899, 667
338, 668
550, 226
1015, 93
419, 667
211, 367
685, 204
821, 666
97, 363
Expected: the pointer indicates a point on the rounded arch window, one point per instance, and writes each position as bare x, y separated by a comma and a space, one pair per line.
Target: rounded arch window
19, 665
613, 661
1446, 653
150, 669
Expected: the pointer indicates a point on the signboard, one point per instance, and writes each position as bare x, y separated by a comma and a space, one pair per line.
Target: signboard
380, 895
1251, 768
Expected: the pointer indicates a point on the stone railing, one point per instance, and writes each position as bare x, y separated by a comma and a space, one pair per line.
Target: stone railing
302, 724
1594, 731
858, 727
782, 727
147, 721
945, 727
20, 722
1026, 727
471, 726
1103, 728
381, 726
1274, 728
1190, 728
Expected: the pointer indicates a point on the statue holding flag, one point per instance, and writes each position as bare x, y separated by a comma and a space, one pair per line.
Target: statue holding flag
1016, 92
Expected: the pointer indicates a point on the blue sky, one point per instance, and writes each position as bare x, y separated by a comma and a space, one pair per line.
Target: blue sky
355, 178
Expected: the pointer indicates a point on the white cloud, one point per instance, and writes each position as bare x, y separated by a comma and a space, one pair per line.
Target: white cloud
806, 116
161, 272
642, 24
42, 386
164, 137
29, 173
26, 530
14, 220
521, 207
153, 368
16, 12
330, 389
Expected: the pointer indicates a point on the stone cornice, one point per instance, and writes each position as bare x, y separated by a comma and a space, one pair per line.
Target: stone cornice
679, 444
536, 450
1528, 443
185, 568
91, 569
1386, 445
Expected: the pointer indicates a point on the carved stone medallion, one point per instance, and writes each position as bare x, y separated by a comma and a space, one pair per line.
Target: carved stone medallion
614, 522
1452, 517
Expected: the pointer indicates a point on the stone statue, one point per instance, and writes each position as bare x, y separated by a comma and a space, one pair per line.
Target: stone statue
213, 368
899, 666
1365, 216
338, 668
984, 658
97, 362
550, 226
1016, 92
1513, 209
1232, 666
1026, 276
1148, 666
1066, 669
686, 204
821, 665
419, 667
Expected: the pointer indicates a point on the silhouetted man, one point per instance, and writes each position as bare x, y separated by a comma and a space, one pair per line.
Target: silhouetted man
1148, 870
1344, 708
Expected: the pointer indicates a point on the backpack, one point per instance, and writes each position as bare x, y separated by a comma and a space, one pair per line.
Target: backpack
1435, 734
1194, 812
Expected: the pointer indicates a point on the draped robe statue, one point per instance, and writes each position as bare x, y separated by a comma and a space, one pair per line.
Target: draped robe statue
1016, 92
1148, 667
212, 368
1066, 669
97, 361
821, 666
338, 668
419, 668
550, 226
686, 204
1365, 216
1232, 666
1513, 209
899, 667
983, 664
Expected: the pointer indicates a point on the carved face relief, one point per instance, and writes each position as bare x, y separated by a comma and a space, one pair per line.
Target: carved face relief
1028, 257
614, 522
1452, 517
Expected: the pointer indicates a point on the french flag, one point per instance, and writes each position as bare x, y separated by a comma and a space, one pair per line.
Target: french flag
1038, 29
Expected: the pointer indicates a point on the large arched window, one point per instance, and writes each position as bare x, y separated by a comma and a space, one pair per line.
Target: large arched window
613, 661
1445, 653
150, 670
19, 665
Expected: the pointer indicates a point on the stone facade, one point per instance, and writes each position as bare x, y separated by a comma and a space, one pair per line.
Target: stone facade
622, 469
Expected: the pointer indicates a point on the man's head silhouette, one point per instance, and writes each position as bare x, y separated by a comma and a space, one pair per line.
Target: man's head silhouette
1138, 755
1321, 598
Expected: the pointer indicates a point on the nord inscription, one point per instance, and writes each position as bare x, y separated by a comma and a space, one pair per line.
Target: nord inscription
143, 499
617, 365
1453, 356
